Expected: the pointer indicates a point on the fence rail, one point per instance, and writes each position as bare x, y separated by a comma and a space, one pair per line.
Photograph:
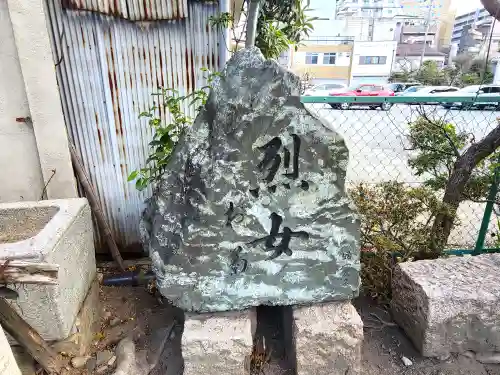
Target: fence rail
380, 146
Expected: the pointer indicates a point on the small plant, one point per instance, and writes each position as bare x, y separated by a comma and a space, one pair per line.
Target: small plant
167, 135
395, 225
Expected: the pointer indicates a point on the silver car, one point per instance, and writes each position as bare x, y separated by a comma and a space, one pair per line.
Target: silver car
476, 92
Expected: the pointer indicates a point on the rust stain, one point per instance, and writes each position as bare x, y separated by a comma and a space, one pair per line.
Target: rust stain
83, 36
193, 73
145, 5
188, 83
113, 8
161, 71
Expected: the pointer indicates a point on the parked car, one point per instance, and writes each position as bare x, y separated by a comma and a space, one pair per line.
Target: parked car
401, 86
410, 91
437, 91
364, 90
476, 92
325, 89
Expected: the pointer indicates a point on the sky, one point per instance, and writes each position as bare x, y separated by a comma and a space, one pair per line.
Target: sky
464, 6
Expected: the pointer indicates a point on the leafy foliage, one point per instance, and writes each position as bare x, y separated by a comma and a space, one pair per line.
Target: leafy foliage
281, 23
465, 73
290, 18
437, 145
395, 219
167, 135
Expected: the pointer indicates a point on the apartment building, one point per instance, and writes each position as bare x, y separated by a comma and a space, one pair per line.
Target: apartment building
324, 63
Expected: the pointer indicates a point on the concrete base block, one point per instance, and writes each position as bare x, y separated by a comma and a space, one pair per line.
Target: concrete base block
87, 324
218, 343
24, 360
8, 365
449, 305
57, 232
328, 339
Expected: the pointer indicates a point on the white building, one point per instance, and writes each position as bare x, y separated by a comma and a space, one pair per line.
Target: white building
368, 8
372, 61
477, 17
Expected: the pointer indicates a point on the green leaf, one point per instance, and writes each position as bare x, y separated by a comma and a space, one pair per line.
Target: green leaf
132, 176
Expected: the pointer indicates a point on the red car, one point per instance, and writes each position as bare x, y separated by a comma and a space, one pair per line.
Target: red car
364, 90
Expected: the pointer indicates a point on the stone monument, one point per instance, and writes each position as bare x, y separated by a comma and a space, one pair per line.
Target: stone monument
253, 209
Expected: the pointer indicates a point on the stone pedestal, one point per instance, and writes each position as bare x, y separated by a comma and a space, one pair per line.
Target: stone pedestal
8, 365
218, 343
328, 339
57, 232
449, 305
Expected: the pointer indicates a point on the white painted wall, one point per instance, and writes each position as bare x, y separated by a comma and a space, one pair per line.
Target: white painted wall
380, 72
8, 365
21, 177
29, 23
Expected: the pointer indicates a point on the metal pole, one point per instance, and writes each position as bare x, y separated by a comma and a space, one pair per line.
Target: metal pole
225, 42
253, 16
483, 231
426, 33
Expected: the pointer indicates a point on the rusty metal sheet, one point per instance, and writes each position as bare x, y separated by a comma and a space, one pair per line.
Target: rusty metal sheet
107, 69
133, 10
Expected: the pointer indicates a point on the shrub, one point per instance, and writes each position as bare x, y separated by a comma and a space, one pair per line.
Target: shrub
395, 223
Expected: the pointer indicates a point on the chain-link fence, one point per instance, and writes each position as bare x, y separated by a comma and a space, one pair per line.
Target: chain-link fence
377, 133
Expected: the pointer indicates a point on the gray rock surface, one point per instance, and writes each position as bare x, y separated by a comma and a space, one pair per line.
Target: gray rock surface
449, 305
253, 209
328, 339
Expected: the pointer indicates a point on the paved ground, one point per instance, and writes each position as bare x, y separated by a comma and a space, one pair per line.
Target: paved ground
379, 150
382, 351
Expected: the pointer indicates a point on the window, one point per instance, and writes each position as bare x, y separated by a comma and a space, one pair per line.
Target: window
311, 58
372, 60
329, 59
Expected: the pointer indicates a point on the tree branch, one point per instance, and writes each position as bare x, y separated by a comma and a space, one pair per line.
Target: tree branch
493, 7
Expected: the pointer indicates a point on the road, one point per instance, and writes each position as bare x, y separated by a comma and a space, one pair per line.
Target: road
378, 148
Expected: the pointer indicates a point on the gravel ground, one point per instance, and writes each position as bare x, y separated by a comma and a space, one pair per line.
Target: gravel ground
384, 345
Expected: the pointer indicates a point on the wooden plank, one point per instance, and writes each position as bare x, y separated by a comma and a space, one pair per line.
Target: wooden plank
26, 336
22, 272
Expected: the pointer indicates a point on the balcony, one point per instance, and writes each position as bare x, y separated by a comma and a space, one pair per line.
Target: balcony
346, 40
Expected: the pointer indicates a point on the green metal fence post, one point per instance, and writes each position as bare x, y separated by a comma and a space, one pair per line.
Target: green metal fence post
483, 231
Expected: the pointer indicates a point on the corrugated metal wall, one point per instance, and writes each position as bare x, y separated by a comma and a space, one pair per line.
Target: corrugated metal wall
107, 68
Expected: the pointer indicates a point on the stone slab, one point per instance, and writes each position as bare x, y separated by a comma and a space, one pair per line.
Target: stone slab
218, 343
449, 305
328, 339
57, 232
8, 365
252, 208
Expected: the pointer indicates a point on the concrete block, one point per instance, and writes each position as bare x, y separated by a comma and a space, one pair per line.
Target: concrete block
87, 324
328, 339
8, 365
24, 360
58, 232
218, 343
449, 305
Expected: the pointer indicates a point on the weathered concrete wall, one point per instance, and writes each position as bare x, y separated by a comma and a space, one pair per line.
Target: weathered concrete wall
29, 23
21, 177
